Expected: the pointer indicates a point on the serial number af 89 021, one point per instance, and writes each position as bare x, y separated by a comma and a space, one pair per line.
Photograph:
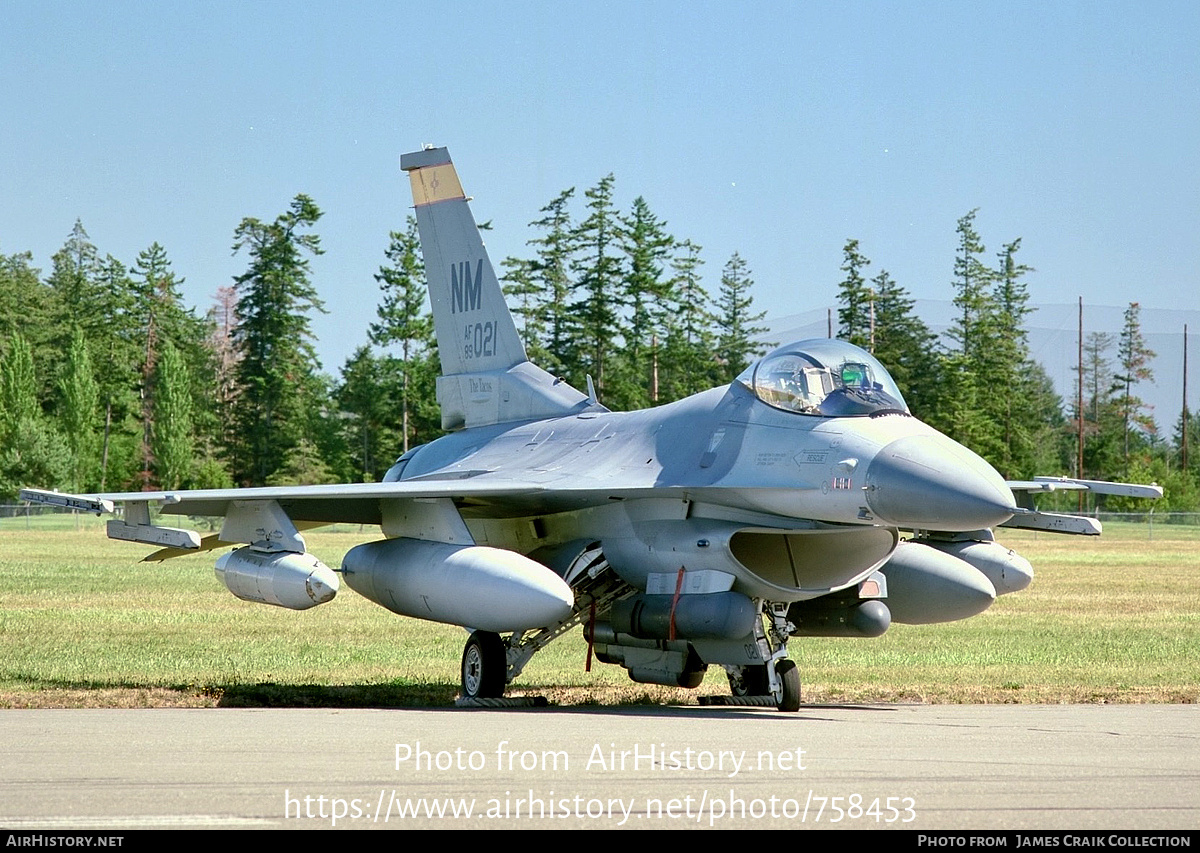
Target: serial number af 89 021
479, 339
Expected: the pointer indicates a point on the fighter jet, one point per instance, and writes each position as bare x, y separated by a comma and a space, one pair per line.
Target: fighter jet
706, 532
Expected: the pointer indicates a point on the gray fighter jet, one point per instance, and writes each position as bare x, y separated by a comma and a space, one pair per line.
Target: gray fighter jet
705, 532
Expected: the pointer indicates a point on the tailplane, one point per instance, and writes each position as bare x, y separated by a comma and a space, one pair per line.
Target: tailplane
486, 376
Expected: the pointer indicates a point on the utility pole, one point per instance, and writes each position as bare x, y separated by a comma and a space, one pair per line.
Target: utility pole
1079, 405
1186, 415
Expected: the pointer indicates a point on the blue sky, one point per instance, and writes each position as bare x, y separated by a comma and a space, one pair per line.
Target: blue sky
777, 130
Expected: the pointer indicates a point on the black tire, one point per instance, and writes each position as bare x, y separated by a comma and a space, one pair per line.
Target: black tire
789, 676
484, 666
752, 682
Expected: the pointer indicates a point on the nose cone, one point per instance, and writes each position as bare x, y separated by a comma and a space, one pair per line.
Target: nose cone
322, 586
1006, 569
933, 483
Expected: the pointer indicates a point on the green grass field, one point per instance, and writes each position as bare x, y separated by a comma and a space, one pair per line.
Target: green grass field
83, 624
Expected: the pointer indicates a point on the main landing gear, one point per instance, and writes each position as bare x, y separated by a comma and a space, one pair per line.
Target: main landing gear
755, 681
749, 680
490, 662
777, 678
484, 666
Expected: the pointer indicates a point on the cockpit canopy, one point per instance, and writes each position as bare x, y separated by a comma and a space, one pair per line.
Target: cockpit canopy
824, 377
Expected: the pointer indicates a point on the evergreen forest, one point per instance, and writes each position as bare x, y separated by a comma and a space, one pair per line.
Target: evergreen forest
109, 382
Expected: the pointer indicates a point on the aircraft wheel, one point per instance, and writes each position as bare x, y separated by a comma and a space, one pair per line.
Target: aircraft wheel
789, 677
751, 681
484, 666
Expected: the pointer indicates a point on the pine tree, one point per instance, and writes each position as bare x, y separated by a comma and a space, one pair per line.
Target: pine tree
172, 435
1050, 444
736, 322
97, 297
974, 330
1134, 358
1011, 294
31, 450
78, 419
905, 346
18, 388
162, 318
403, 320
117, 352
599, 330
1011, 368
524, 293
647, 246
304, 466
1101, 420
854, 316
31, 308
277, 389
1097, 368
75, 269
550, 286
1187, 460
966, 416
223, 346
368, 394
688, 364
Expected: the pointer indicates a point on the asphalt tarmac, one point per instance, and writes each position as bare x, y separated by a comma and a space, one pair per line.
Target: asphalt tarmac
908, 766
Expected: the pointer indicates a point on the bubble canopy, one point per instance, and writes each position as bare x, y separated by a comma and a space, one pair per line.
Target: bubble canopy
825, 378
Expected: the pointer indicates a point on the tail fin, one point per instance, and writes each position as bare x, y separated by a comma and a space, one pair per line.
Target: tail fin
475, 331
486, 376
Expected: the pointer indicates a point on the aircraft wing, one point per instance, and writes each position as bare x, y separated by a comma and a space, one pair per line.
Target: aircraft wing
354, 503
360, 503
1028, 516
425, 508
278, 513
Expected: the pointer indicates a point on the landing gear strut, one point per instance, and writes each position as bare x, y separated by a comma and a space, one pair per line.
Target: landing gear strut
484, 666
750, 680
777, 677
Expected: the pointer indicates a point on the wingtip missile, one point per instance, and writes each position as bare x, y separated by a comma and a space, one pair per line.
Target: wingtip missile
83, 503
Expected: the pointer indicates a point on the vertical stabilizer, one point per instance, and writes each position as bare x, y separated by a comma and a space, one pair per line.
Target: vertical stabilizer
475, 332
486, 377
